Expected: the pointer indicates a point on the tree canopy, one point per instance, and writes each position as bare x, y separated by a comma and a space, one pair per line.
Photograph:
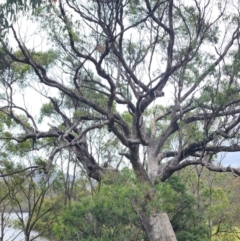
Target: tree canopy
150, 84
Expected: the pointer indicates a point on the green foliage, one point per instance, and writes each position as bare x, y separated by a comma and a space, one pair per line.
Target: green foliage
127, 117
6, 121
187, 222
5, 61
192, 132
218, 96
230, 235
215, 193
42, 58
110, 214
19, 149
27, 192
12, 7
9, 166
50, 209
47, 109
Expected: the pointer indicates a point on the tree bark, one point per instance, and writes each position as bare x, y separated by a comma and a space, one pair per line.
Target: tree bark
158, 227
161, 228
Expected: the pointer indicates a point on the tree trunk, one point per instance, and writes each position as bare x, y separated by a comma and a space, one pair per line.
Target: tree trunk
158, 225
161, 228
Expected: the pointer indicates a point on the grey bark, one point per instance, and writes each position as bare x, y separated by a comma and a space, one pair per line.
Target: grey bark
161, 228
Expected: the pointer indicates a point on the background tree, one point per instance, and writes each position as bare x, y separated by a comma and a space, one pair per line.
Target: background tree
5, 210
107, 57
28, 199
216, 201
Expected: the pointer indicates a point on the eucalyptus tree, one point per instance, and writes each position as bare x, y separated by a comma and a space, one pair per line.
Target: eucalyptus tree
160, 78
27, 200
5, 211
